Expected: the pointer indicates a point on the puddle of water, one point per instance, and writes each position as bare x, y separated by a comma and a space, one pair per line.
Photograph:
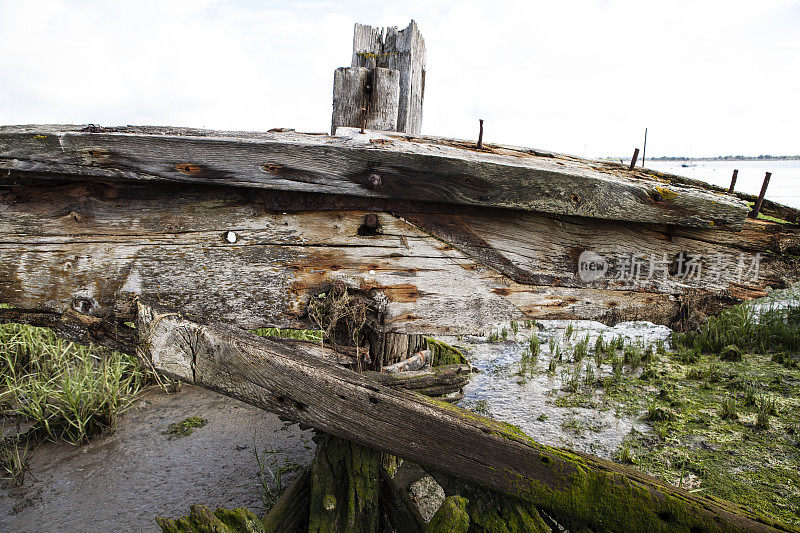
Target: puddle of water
528, 402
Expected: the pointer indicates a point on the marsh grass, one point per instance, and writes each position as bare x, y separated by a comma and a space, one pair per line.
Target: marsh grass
69, 392
14, 454
729, 410
750, 327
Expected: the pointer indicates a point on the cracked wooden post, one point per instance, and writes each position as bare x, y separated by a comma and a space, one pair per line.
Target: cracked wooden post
391, 98
364, 97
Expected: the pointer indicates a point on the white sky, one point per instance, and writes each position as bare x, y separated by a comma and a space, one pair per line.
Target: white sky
582, 77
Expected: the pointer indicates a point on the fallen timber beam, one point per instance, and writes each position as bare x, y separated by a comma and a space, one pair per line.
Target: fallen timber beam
255, 258
376, 165
578, 489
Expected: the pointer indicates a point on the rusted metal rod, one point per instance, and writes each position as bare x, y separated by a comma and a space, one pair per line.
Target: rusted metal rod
644, 148
480, 134
733, 180
757, 208
635, 157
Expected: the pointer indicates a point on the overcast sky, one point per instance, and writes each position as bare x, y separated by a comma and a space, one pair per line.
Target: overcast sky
582, 77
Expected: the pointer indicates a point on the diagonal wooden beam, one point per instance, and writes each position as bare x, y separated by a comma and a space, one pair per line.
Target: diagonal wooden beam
576, 488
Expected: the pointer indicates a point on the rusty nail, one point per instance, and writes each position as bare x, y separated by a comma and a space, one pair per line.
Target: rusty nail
733, 180
757, 208
374, 181
635, 157
371, 220
480, 134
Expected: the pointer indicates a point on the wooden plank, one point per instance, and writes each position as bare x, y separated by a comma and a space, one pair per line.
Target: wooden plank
81, 246
283, 378
378, 166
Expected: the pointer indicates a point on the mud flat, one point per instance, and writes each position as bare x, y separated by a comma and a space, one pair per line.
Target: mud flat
122, 481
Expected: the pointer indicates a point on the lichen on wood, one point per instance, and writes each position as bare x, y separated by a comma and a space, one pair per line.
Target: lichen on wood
344, 487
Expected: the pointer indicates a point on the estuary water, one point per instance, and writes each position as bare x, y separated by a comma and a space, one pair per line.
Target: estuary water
784, 186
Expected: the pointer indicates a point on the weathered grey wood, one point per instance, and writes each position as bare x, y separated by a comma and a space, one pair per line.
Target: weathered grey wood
377, 89
391, 166
436, 382
404, 51
577, 489
82, 246
349, 97
384, 100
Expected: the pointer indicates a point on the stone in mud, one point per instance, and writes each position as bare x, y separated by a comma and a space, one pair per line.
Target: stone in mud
427, 495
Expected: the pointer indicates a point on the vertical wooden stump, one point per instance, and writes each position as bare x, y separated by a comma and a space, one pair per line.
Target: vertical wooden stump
349, 92
344, 487
389, 348
394, 92
365, 97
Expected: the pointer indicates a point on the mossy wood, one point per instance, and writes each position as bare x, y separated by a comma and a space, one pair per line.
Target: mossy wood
344, 487
385, 165
255, 258
286, 378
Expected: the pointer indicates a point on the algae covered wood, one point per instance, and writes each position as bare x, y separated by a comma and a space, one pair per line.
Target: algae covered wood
387, 166
578, 489
345, 485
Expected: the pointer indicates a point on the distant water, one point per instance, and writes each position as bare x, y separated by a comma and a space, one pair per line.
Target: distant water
784, 186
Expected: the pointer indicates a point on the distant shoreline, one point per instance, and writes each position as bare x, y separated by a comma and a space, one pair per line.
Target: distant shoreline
721, 158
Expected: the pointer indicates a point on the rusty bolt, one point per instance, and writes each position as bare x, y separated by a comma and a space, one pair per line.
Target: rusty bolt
374, 181
371, 221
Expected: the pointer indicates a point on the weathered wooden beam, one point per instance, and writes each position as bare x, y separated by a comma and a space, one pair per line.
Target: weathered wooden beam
383, 166
436, 269
577, 489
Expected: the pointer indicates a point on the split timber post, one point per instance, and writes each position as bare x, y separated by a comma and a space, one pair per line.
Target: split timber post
383, 91
384, 87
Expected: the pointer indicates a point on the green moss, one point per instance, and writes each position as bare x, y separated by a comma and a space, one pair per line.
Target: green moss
444, 354
202, 520
731, 353
452, 517
184, 428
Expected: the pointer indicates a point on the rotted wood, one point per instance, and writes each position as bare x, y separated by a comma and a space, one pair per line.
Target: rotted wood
577, 489
290, 513
436, 382
255, 258
365, 97
345, 485
402, 51
385, 165
397, 508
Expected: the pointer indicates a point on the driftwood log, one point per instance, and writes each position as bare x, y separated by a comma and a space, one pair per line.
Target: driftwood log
577, 489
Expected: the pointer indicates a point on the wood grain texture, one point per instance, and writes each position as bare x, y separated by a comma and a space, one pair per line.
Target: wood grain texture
83, 246
419, 169
400, 50
284, 379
